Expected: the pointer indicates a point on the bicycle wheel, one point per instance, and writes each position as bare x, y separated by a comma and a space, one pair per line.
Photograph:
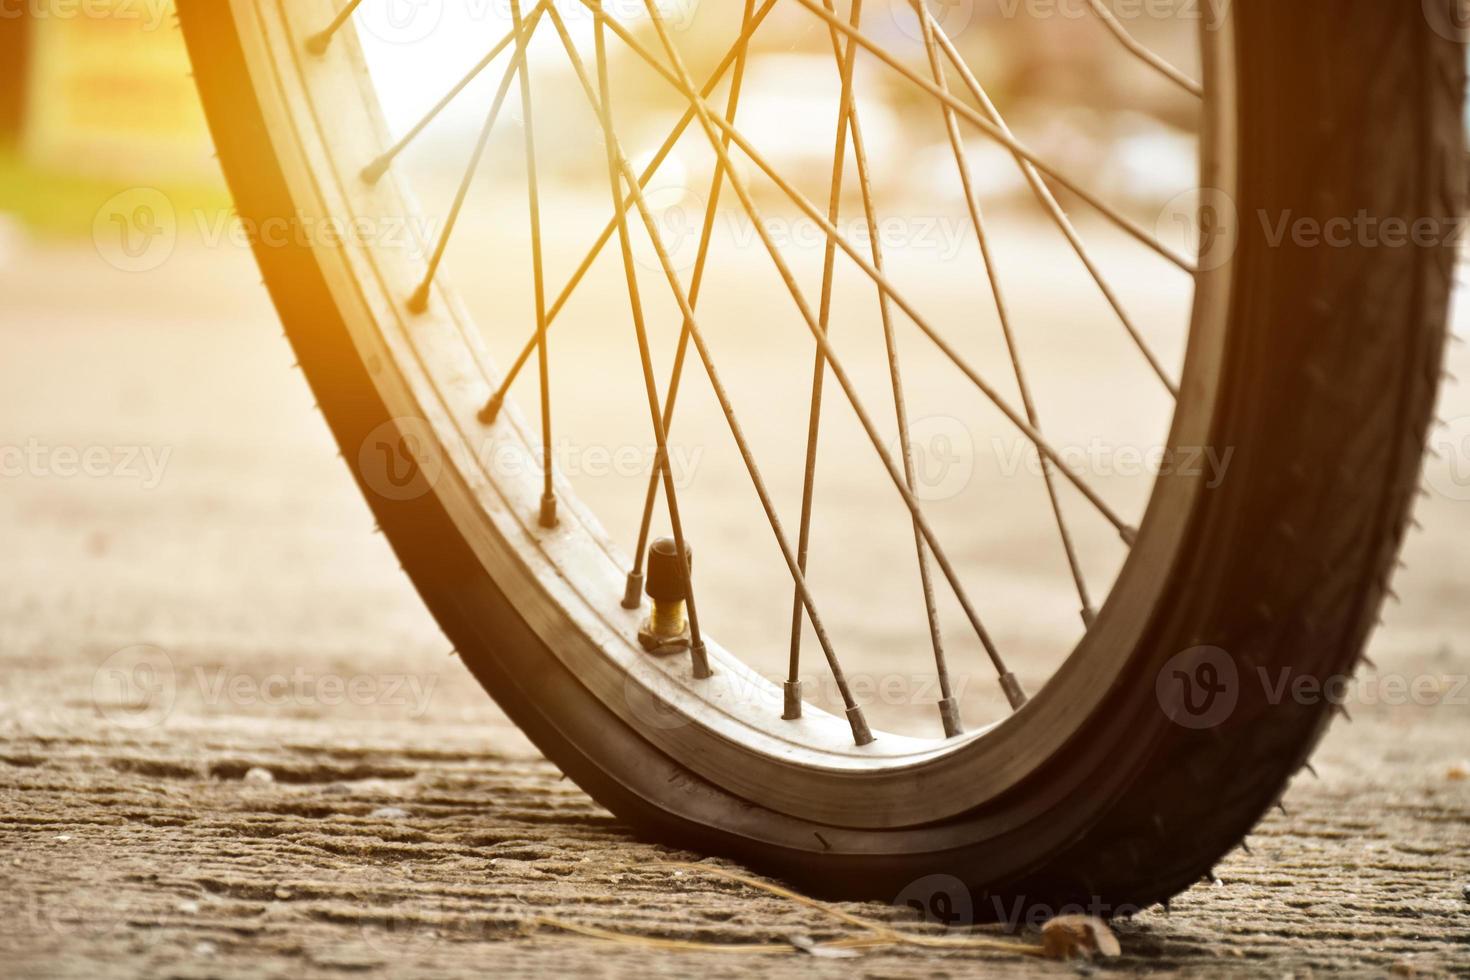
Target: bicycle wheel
1152, 748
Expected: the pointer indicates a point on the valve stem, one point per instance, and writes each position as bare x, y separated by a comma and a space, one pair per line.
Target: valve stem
667, 628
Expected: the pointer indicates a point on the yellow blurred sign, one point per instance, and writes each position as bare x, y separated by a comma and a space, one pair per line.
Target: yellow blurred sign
110, 95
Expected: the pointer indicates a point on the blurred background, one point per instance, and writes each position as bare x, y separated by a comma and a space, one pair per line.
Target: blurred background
217, 522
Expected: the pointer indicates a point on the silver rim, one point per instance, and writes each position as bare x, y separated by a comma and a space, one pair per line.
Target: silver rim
568, 581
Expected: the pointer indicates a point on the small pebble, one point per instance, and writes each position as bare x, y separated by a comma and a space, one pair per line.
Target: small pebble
188, 907
1465, 893
283, 893
389, 813
259, 775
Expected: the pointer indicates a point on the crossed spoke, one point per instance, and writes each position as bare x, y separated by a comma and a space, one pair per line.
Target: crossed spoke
721, 132
497, 400
533, 194
700, 657
1000, 136
1052, 207
882, 281
1008, 680
696, 284
861, 733
419, 301
374, 171
948, 705
1002, 308
1115, 27
845, 111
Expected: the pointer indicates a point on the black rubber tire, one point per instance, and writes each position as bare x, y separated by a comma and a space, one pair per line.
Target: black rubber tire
1332, 364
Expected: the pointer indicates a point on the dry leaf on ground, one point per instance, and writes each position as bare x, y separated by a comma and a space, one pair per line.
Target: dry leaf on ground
1078, 936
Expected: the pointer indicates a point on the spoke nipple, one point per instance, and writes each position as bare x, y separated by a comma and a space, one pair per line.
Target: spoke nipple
548, 511
1129, 535
374, 171
492, 408
793, 701
1012, 687
1089, 616
419, 301
667, 628
949, 712
317, 44
700, 657
633, 593
860, 732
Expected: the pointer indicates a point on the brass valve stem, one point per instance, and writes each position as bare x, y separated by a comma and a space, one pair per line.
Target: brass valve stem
668, 619
667, 628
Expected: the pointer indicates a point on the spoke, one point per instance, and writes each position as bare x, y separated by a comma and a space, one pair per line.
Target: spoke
320, 41
1002, 308
881, 280
419, 302
860, 731
374, 171
631, 598
533, 185
662, 468
949, 709
1004, 139
497, 400
1008, 680
1110, 20
819, 364
1050, 204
